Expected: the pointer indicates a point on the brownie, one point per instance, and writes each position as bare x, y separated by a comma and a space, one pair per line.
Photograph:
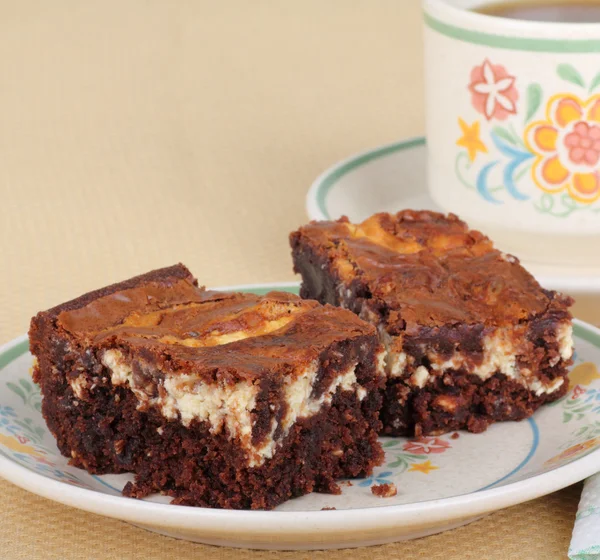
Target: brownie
217, 399
471, 337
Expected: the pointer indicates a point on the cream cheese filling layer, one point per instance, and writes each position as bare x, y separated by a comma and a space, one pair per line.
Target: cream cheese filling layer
500, 355
186, 398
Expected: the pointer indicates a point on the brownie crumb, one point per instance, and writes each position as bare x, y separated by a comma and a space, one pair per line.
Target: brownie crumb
455, 435
384, 490
345, 483
327, 508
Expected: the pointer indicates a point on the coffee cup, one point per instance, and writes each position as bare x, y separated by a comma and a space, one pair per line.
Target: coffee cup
513, 129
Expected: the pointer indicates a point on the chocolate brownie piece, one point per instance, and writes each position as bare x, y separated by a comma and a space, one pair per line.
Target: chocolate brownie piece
218, 399
471, 337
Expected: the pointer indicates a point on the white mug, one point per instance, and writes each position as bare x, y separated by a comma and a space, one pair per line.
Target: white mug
513, 128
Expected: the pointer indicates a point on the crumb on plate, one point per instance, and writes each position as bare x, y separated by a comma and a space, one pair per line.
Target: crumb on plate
384, 490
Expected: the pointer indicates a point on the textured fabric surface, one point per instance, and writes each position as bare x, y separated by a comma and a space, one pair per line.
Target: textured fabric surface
34, 528
137, 134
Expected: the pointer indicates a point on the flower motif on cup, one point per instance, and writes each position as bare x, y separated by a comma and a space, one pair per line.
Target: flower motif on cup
567, 147
470, 139
493, 91
427, 445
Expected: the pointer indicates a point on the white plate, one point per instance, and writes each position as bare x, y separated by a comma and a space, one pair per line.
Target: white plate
442, 482
393, 177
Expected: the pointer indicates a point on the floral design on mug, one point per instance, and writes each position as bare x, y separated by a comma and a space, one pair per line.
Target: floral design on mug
470, 139
559, 153
493, 91
567, 147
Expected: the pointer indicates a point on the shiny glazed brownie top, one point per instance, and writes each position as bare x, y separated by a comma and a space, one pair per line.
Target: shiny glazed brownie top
427, 269
165, 317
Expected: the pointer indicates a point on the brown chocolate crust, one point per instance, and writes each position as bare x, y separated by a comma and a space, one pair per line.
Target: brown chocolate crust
422, 269
163, 276
173, 328
434, 286
105, 428
45, 321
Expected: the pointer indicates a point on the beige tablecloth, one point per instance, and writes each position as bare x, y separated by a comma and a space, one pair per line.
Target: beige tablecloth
141, 133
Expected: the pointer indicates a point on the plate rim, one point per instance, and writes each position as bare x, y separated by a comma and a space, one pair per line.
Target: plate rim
316, 196
299, 522
317, 193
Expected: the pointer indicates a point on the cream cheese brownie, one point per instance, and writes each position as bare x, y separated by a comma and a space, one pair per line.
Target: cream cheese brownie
217, 399
471, 337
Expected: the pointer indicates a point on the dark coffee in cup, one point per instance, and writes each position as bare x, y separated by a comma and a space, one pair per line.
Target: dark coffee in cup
567, 11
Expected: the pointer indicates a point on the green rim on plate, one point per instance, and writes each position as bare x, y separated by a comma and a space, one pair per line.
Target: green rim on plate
331, 178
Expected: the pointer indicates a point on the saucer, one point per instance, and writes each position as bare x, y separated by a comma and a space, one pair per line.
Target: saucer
443, 481
392, 177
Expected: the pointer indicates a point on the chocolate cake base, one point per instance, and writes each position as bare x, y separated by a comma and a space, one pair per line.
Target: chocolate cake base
195, 467
457, 402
